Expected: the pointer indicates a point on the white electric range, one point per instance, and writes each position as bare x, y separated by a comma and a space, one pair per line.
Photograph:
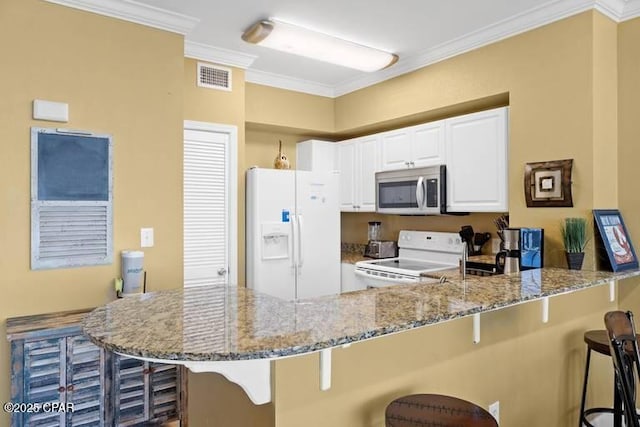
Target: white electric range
419, 253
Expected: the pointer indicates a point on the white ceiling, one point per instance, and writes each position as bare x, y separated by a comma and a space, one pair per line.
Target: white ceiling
419, 31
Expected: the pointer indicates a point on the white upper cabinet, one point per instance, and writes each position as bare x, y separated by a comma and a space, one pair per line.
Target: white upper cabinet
414, 146
316, 155
476, 159
358, 160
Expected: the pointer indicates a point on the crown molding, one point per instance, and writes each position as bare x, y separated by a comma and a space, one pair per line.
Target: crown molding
138, 13
631, 10
217, 55
289, 83
614, 9
526, 21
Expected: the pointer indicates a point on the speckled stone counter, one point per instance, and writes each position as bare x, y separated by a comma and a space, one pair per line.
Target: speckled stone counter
352, 252
218, 323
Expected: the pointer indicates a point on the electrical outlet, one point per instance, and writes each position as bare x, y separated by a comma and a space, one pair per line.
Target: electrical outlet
146, 237
494, 410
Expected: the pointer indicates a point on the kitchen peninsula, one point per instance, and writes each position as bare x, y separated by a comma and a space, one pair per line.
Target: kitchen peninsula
212, 328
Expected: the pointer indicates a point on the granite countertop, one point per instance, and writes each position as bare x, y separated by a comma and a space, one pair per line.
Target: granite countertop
221, 323
352, 252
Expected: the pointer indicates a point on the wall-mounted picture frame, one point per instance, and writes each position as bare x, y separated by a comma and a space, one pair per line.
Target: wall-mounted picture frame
548, 184
613, 238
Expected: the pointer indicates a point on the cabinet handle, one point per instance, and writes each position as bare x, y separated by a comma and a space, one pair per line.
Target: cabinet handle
146, 371
61, 389
70, 387
412, 164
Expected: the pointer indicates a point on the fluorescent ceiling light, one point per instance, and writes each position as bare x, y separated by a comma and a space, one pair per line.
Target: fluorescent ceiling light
301, 41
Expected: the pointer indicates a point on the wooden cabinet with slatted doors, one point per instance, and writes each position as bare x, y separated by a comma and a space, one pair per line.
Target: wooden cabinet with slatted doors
52, 362
57, 366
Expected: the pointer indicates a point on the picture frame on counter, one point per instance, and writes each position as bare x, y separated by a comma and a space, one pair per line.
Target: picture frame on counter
531, 248
613, 239
548, 184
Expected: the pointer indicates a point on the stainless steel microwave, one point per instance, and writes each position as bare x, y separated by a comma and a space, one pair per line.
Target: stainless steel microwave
417, 191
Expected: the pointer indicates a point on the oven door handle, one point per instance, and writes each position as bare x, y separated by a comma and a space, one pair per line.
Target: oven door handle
387, 279
420, 192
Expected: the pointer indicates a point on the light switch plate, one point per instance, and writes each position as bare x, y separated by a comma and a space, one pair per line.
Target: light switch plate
146, 237
49, 110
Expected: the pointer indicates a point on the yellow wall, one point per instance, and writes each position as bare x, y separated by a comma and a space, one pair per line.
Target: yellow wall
533, 369
561, 88
284, 108
554, 76
100, 67
548, 75
629, 126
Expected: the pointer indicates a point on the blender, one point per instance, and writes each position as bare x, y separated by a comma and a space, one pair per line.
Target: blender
376, 247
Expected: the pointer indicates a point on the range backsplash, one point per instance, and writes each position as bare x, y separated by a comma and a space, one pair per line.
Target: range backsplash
354, 225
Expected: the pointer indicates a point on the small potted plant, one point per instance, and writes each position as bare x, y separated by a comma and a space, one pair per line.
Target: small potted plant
575, 238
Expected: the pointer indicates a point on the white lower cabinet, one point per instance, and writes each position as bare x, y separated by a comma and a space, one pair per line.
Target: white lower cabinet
476, 159
358, 159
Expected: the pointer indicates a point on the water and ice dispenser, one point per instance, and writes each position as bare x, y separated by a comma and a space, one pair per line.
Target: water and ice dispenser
275, 238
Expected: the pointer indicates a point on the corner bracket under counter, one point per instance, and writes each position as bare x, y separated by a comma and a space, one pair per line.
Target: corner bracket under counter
253, 375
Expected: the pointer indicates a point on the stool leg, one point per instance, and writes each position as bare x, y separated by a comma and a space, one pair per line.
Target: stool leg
584, 388
617, 404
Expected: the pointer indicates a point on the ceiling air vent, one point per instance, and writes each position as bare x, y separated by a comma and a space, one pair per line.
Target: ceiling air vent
214, 77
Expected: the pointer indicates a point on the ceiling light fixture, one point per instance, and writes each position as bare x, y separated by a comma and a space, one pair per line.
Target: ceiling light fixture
301, 41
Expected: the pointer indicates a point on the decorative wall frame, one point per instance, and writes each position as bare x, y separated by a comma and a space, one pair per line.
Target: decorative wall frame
548, 184
613, 238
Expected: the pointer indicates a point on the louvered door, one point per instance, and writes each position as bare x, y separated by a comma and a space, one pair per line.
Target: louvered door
85, 380
206, 207
130, 391
165, 391
44, 380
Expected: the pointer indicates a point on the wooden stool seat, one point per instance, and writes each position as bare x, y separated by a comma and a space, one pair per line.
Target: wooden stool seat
420, 410
598, 341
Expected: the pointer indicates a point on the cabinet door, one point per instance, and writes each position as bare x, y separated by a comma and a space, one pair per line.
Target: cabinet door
44, 380
476, 151
347, 154
367, 157
130, 391
395, 149
165, 391
428, 144
85, 382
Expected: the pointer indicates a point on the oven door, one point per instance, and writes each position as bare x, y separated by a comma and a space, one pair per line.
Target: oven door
409, 192
366, 279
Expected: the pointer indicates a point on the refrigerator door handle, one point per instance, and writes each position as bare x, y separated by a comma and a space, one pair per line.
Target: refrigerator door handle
300, 240
294, 239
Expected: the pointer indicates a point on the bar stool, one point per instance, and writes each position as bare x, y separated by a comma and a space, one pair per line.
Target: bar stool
598, 341
626, 360
418, 410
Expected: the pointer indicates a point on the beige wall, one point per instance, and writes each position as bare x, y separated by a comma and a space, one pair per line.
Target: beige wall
561, 88
284, 108
100, 67
548, 74
554, 76
533, 369
629, 126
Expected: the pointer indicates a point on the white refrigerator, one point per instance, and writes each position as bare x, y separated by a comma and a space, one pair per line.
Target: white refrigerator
293, 233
